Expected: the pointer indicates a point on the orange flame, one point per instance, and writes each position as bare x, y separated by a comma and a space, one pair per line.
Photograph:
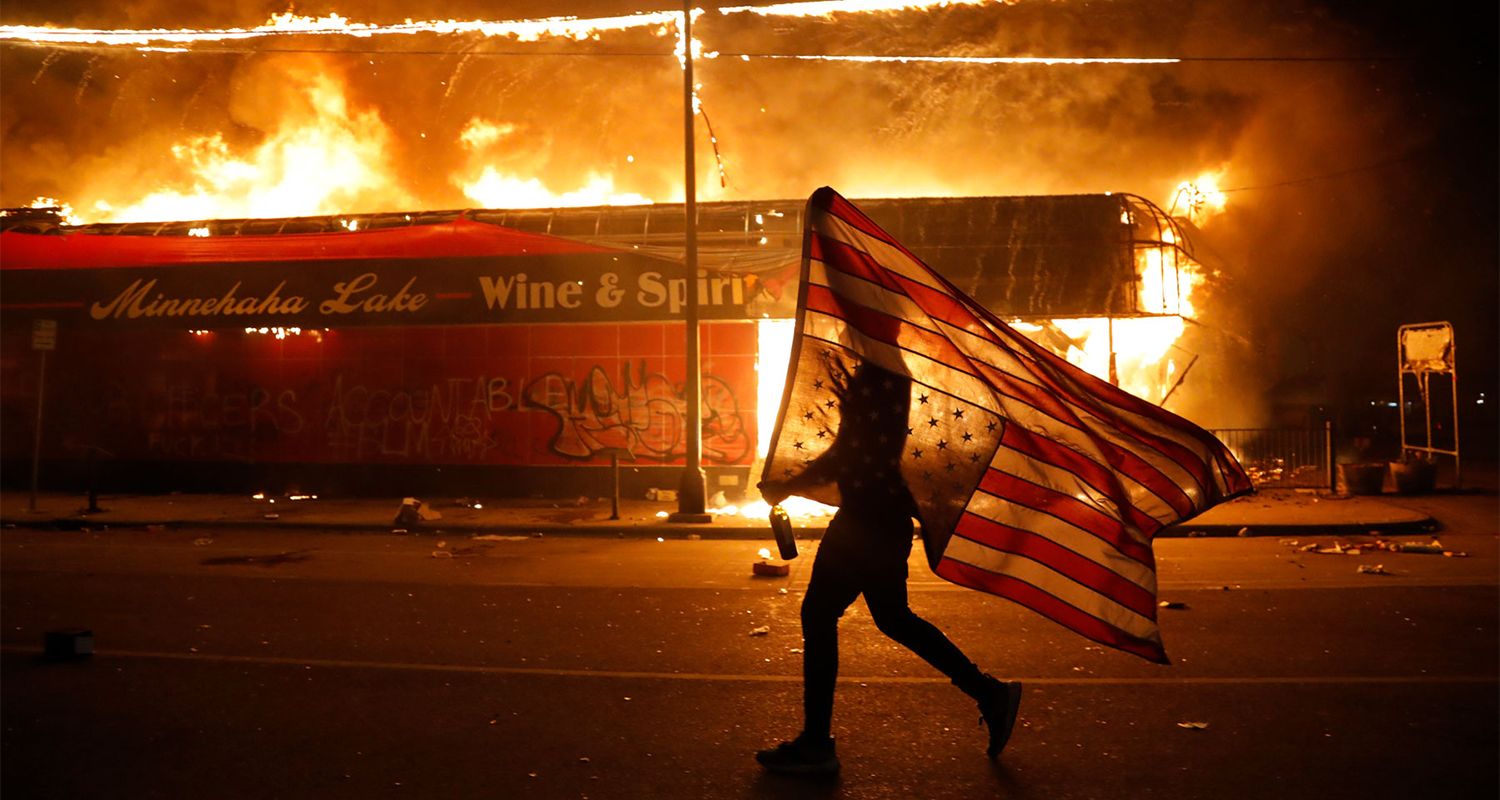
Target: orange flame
323, 158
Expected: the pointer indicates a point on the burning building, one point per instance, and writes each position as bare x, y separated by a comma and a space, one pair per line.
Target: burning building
506, 352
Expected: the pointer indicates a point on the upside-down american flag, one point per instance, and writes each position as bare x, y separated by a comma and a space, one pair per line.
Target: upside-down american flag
1033, 479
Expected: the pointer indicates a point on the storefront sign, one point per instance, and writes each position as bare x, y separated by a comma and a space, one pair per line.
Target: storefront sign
572, 287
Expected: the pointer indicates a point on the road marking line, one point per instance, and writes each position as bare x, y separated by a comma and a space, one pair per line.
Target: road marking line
481, 669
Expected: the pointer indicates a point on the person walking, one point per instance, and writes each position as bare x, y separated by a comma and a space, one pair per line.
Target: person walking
865, 552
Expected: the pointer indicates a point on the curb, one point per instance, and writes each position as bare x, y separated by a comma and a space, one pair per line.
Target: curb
653, 529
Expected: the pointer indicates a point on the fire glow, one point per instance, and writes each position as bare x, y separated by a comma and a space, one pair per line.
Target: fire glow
326, 155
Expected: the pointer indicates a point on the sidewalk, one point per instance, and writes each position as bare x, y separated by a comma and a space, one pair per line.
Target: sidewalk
1268, 513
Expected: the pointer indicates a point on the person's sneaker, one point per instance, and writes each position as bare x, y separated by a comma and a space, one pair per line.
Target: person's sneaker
803, 755
998, 703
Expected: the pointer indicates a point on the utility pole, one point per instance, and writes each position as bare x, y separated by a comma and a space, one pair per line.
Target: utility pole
691, 503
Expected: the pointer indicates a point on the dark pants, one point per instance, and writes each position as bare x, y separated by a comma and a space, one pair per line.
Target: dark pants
866, 556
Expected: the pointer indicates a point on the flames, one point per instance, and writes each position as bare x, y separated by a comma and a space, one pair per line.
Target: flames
321, 156
1200, 199
490, 187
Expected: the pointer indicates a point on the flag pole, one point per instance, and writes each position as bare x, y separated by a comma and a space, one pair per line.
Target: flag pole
691, 505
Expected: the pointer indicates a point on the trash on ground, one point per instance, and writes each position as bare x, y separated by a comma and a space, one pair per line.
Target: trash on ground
1455, 554
68, 643
203, 540
271, 516
662, 495
442, 543
1335, 549
495, 537
1372, 569
771, 569
1173, 604
1195, 726
761, 631
1435, 547
441, 554
1290, 542
1244, 531
414, 511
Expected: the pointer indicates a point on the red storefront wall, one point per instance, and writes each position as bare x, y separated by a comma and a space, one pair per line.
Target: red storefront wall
400, 398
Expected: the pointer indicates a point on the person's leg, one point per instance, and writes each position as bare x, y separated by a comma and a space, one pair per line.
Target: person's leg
998, 700
833, 586
893, 616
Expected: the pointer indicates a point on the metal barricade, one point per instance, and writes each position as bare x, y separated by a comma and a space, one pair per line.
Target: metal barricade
1283, 457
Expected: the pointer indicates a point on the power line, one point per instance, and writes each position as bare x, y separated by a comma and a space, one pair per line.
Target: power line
1385, 162
908, 58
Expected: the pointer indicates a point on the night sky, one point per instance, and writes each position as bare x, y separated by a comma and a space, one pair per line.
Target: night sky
1357, 139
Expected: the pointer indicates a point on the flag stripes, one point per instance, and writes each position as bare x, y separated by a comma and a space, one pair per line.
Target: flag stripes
1035, 481
1086, 623
1059, 559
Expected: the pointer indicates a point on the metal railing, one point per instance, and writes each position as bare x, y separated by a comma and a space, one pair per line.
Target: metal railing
1283, 457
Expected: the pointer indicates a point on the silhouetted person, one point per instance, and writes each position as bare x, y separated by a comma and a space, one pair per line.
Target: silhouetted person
865, 551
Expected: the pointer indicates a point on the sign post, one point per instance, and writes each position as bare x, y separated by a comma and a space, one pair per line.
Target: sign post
43, 339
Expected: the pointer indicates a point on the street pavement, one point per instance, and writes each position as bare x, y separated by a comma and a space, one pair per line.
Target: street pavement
238, 660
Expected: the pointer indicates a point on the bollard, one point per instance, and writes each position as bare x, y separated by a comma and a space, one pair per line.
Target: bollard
614, 497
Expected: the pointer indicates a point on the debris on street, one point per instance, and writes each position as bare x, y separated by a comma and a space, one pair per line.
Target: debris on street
771, 569
761, 631
1372, 569
413, 512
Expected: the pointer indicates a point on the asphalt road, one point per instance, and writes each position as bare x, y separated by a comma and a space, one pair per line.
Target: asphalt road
299, 664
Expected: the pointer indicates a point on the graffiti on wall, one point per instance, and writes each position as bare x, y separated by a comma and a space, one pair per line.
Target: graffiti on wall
450, 420
356, 398
188, 421
644, 416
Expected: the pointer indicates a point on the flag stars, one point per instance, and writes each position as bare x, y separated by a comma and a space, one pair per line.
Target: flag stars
950, 466
932, 422
798, 445
958, 413
830, 404
922, 399
916, 452
974, 457
942, 444
989, 426
968, 437
817, 383
808, 414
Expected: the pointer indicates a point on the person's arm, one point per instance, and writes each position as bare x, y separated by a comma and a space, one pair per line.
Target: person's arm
823, 469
